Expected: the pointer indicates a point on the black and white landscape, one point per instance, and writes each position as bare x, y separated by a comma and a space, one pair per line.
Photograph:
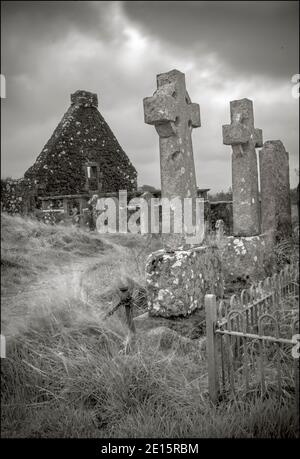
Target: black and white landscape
149, 214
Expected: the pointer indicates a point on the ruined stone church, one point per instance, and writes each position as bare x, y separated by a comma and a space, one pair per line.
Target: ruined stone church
81, 159
82, 155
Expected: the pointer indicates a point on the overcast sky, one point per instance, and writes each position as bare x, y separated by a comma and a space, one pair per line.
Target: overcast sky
228, 50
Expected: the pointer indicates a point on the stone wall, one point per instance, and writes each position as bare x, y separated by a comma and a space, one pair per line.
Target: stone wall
17, 196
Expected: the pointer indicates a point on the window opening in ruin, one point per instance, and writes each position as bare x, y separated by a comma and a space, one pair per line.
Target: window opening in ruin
92, 177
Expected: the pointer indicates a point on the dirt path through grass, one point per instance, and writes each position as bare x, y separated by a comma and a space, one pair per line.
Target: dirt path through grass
61, 282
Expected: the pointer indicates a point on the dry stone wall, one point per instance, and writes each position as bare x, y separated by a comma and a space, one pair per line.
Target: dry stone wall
17, 196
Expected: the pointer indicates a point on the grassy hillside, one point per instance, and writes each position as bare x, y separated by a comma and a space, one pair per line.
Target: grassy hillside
71, 373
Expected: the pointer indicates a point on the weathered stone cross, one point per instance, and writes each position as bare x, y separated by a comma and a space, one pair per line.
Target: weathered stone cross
171, 112
244, 138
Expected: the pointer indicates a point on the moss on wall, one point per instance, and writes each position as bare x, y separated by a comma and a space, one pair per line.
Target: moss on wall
81, 137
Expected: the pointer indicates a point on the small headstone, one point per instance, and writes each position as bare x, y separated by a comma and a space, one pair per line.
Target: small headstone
275, 189
244, 138
174, 116
219, 229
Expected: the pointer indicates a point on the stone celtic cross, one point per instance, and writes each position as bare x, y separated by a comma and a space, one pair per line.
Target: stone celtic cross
174, 116
244, 138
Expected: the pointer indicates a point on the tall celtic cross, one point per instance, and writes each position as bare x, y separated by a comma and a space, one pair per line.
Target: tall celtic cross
244, 138
174, 116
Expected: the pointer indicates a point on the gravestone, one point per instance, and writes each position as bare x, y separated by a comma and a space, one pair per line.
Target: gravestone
275, 189
244, 138
219, 229
174, 116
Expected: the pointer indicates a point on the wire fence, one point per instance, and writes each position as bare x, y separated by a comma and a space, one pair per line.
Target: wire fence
253, 339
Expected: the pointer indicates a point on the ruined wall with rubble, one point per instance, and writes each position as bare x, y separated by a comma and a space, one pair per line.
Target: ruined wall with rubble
81, 136
17, 196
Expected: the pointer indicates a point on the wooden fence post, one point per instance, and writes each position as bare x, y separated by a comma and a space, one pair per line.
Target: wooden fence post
129, 315
296, 370
211, 318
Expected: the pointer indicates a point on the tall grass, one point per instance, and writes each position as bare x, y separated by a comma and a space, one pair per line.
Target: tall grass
70, 373
30, 247
41, 261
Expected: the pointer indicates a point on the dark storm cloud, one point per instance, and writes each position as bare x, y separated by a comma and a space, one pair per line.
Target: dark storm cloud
51, 19
28, 27
249, 37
